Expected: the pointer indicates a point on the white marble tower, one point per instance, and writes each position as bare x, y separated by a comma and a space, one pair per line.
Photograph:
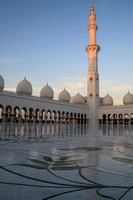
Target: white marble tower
93, 76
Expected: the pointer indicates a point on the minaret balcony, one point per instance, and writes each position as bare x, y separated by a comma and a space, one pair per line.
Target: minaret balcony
92, 17
92, 26
91, 48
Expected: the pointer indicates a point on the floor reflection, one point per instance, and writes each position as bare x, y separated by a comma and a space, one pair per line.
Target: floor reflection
38, 131
117, 130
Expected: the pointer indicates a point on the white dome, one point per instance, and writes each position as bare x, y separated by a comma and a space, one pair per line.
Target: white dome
128, 98
107, 100
2, 83
24, 87
78, 99
47, 92
64, 96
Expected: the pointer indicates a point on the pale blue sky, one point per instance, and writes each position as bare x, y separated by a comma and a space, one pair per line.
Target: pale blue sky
46, 40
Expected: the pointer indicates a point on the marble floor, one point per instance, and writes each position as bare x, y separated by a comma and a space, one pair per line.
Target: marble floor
61, 162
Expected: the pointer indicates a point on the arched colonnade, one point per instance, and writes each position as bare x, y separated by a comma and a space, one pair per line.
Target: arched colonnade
16, 114
117, 119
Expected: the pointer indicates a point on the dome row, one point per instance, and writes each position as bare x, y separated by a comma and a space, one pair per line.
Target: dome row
127, 99
25, 87
107, 100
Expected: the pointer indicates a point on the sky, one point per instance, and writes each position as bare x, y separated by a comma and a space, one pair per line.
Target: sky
45, 40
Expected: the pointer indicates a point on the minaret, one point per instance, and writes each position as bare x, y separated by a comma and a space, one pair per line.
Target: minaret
93, 76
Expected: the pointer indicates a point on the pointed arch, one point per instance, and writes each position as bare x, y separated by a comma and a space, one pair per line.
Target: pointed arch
37, 115
23, 114
1, 113
8, 113
126, 119
104, 119
114, 119
16, 114
120, 119
43, 115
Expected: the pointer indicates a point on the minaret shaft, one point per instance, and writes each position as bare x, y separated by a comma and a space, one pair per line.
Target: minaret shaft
93, 76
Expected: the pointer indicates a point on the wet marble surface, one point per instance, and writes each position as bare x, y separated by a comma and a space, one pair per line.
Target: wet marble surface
58, 161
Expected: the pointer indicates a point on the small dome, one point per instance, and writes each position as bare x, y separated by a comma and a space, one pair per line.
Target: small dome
107, 100
24, 87
78, 99
128, 98
2, 83
64, 96
47, 92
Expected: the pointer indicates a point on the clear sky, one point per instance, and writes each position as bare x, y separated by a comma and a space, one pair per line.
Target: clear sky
46, 40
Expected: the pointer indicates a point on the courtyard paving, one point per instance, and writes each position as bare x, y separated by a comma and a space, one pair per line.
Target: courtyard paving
62, 161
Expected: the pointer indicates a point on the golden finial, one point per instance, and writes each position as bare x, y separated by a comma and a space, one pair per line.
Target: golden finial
92, 8
47, 83
24, 77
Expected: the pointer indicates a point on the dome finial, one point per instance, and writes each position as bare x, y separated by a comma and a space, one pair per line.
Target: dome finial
92, 8
24, 77
47, 83
64, 88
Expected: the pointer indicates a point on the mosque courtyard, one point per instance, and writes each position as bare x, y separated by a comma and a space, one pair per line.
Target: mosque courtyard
62, 161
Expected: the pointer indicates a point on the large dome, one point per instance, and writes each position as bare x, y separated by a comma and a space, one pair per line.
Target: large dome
47, 92
107, 100
24, 87
64, 96
2, 83
78, 99
128, 98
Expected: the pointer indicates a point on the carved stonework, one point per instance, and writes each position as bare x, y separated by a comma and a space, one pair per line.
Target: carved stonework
91, 95
92, 26
92, 17
92, 48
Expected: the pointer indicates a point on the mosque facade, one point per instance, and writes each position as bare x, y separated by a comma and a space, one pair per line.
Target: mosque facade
22, 106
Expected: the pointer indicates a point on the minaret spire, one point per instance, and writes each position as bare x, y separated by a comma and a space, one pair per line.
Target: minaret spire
92, 8
93, 76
